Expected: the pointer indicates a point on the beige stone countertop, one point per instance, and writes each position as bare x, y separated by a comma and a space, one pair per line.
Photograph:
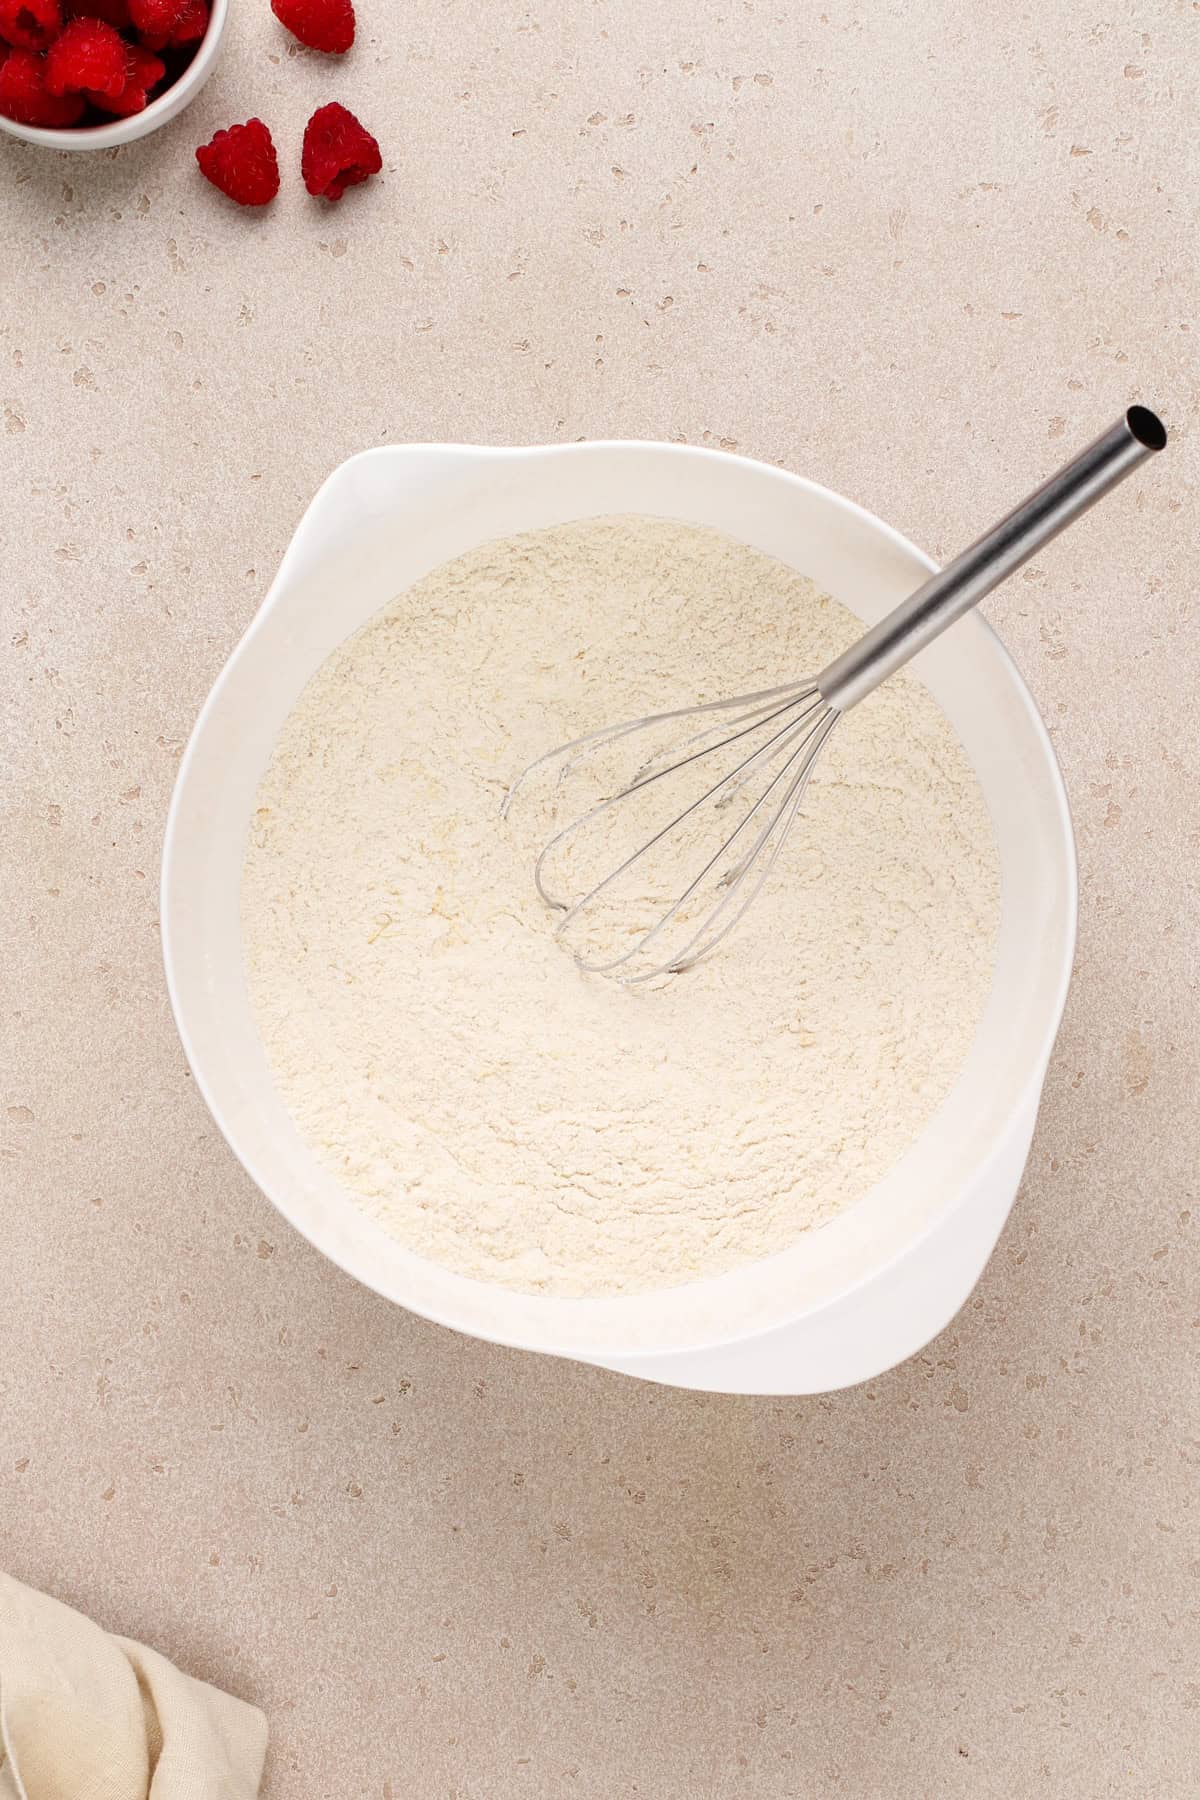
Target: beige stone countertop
918, 252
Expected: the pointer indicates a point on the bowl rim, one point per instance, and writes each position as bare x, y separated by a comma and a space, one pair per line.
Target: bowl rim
1023, 1099
160, 111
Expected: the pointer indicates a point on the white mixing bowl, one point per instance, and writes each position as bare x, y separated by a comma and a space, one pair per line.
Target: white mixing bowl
851, 1298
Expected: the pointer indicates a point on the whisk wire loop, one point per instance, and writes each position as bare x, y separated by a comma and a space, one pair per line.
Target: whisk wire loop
796, 735
643, 780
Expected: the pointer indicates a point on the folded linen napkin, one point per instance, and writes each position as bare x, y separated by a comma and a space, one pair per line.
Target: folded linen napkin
88, 1716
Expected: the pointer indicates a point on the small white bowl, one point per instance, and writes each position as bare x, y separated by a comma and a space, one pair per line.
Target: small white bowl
169, 104
881, 1278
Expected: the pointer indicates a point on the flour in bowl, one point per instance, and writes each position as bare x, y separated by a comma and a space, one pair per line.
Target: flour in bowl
490, 1106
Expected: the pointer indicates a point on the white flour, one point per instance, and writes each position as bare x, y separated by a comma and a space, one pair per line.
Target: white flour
490, 1106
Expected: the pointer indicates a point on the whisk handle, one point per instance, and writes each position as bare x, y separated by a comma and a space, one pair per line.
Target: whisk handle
963, 583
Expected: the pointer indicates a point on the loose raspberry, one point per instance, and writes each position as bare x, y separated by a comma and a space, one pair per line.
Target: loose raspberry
155, 18
321, 24
188, 29
23, 95
338, 152
30, 24
242, 163
89, 58
145, 72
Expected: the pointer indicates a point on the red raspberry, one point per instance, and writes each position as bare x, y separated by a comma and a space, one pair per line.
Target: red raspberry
188, 29
23, 95
321, 24
155, 18
145, 72
113, 12
89, 58
30, 24
338, 152
191, 24
242, 163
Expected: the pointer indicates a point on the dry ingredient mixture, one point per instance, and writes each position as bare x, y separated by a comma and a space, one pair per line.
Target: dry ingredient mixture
500, 1112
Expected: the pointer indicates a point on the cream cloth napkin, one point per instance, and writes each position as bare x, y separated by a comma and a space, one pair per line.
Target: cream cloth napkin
86, 1716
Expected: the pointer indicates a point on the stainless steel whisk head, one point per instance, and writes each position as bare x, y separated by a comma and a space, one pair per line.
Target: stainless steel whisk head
670, 854
741, 779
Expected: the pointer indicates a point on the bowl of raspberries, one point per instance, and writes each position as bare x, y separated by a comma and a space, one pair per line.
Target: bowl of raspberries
88, 74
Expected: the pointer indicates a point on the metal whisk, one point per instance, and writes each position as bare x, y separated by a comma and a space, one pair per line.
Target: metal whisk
641, 916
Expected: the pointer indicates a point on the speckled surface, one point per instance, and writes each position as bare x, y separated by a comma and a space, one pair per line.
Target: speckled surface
919, 260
